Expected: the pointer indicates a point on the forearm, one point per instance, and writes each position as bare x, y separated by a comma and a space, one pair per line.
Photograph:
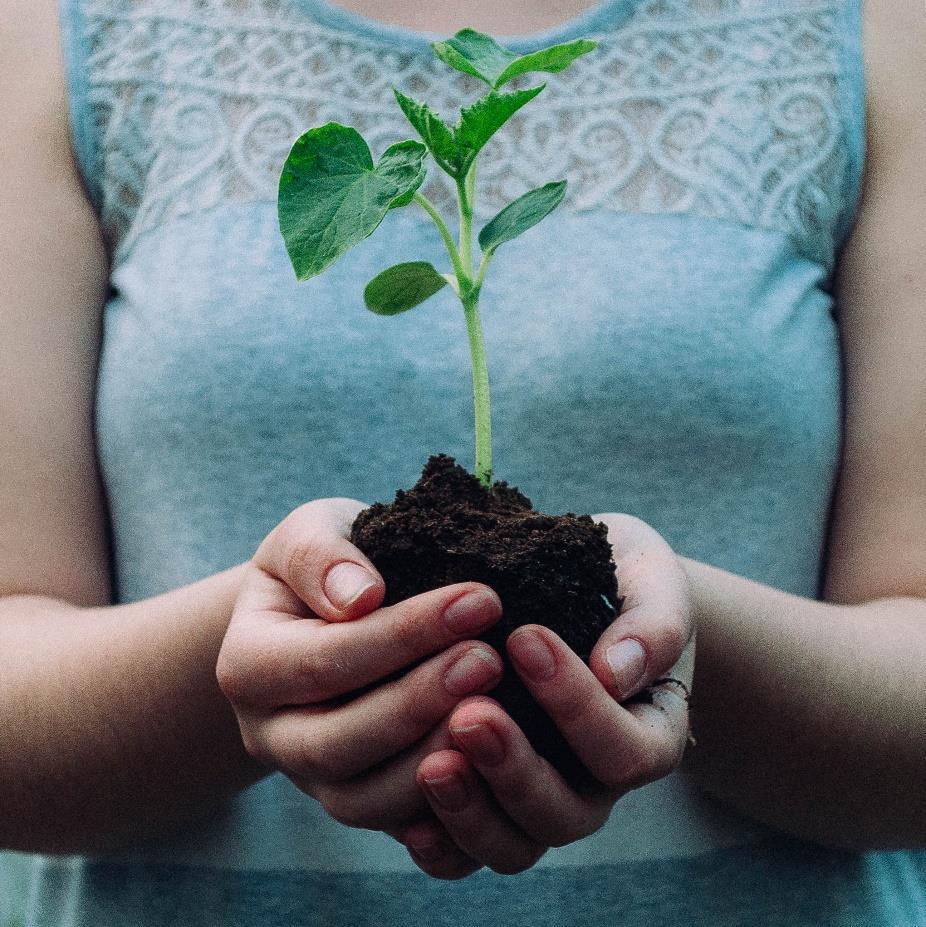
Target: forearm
114, 728
809, 716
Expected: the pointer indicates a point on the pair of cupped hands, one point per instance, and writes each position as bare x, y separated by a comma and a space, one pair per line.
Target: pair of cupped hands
311, 665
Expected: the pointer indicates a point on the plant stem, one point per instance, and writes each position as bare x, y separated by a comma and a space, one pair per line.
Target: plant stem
482, 405
458, 267
483, 267
471, 185
469, 296
468, 290
466, 223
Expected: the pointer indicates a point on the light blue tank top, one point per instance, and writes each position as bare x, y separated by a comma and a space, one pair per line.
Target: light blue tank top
664, 344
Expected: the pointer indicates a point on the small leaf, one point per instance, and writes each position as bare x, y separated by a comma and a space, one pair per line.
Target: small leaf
331, 196
475, 53
524, 213
402, 287
398, 165
437, 135
552, 60
481, 56
479, 122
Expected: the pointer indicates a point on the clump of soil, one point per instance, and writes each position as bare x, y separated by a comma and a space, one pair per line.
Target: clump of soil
553, 570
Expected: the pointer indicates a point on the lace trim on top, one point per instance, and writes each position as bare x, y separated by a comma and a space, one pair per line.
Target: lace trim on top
726, 109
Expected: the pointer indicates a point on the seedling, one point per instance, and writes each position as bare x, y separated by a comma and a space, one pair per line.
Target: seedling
332, 196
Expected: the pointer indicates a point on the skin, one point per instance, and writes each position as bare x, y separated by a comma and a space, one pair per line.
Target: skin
387, 758
489, 16
124, 721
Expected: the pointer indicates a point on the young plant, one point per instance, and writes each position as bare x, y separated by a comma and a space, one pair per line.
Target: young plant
332, 196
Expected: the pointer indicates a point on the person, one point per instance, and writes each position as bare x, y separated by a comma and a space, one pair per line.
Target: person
719, 335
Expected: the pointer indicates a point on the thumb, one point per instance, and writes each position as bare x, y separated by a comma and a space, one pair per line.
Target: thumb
309, 551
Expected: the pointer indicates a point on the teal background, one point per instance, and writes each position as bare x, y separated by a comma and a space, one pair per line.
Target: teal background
16, 882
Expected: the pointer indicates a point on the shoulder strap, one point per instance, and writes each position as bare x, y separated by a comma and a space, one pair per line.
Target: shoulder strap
75, 47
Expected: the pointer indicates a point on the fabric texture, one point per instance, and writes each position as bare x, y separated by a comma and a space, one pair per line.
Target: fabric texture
664, 344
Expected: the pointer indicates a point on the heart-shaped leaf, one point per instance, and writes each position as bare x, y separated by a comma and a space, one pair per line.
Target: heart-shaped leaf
437, 135
402, 287
481, 56
332, 197
524, 213
479, 122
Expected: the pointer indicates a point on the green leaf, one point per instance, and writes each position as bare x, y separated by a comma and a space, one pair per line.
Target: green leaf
331, 196
479, 122
402, 287
437, 135
524, 213
475, 53
552, 60
481, 56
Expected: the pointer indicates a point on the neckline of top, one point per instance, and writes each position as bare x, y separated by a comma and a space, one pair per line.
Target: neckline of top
605, 14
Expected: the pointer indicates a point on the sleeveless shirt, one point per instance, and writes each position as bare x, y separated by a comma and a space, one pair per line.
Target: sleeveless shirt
665, 344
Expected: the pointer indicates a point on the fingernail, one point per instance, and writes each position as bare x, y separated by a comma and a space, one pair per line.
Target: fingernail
476, 670
628, 664
533, 655
449, 792
481, 743
473, 612
346, 582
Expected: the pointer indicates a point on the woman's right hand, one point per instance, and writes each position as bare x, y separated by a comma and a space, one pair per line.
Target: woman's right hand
306, 653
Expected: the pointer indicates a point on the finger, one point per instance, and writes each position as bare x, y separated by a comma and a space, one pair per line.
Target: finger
434, 852
647, 639
310, 552
471, 816
386, 797
333, 744
278, 662
622, 748
526, 787
664, 706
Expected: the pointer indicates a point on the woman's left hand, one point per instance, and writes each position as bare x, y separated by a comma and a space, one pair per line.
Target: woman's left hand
496, 802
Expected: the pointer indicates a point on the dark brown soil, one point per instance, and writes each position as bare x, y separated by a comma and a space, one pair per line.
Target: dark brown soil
553, 570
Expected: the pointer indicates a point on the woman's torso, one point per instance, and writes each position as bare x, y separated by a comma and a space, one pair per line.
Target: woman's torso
664, 344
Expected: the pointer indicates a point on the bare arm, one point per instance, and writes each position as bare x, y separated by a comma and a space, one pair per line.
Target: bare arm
114, 728
112, 725
812, 716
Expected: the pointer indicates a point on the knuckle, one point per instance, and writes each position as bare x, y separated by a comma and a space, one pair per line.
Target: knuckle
315, 760
569, 707
674, 636
448, 871
315, 669
255, 746
513, 792
662, 765
634, 775
235, 674
574, 830
302, 761
564, 838
332, 766
333, 758
304, 557
648, 764
418, 703
520, 861
345, 809
228, 675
